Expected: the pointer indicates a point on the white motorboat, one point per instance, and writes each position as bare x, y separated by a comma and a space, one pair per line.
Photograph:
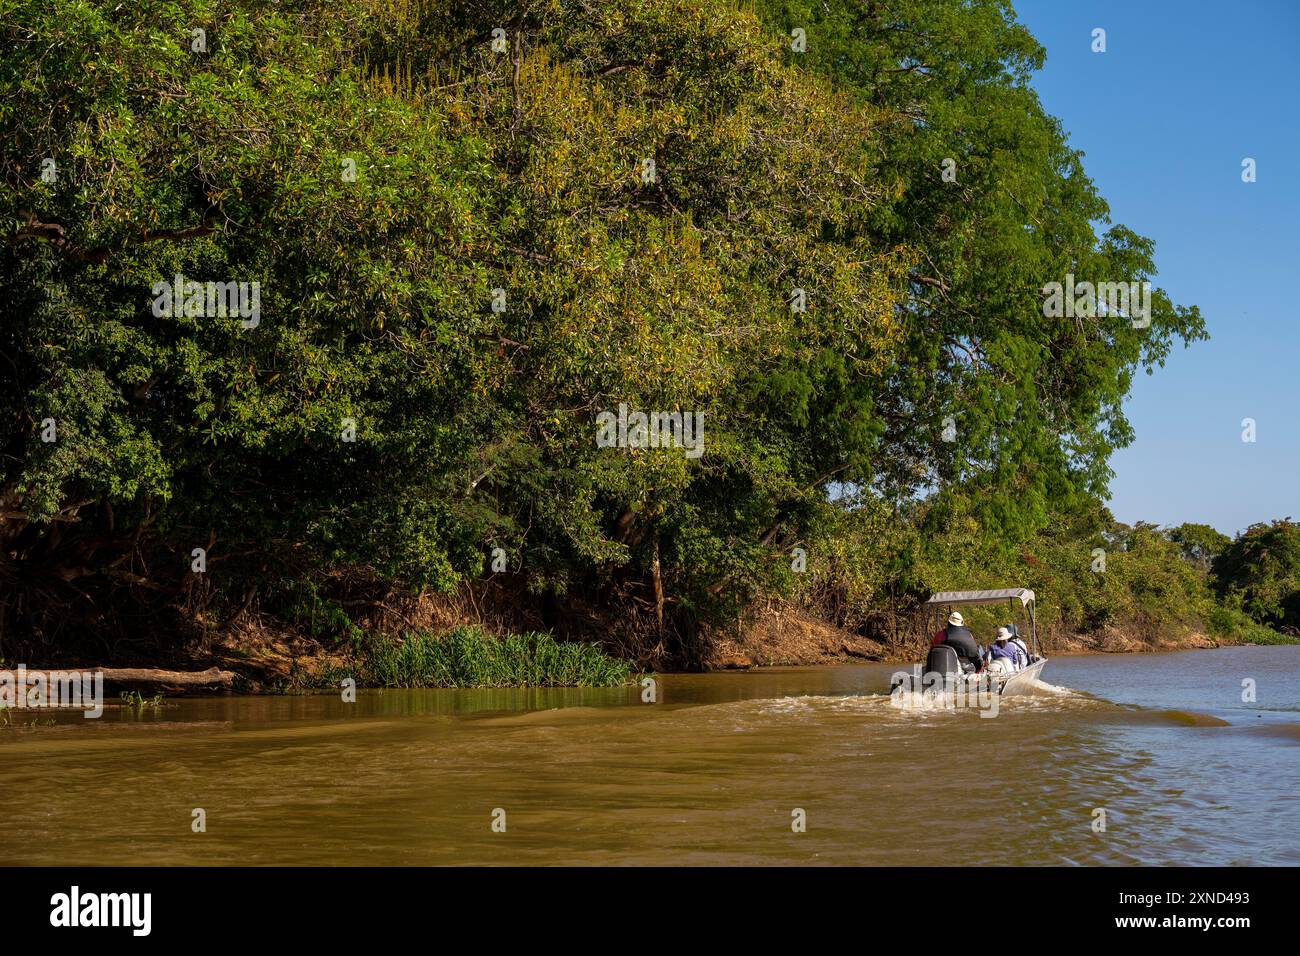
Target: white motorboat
943, 661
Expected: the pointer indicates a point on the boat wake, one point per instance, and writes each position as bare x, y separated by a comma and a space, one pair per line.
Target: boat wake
912, 704
1041, 688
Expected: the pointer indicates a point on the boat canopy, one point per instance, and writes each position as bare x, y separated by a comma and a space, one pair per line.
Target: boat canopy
1023, 595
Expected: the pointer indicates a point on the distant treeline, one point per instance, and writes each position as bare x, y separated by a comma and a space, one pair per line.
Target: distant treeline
448, 236
1091, 573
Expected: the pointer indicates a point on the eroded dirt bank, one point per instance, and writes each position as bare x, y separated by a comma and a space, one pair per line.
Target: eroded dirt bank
267, 658
788, 637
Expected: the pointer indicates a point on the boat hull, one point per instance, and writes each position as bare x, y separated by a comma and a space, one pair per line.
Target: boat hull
1008, 684
1022, 681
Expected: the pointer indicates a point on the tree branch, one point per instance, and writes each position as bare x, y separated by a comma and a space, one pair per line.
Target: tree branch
56, 235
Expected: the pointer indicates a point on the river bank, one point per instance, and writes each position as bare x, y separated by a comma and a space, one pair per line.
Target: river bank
279, 661
787, 637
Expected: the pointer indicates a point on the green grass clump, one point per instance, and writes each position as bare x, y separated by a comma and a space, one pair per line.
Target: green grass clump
1232, 626
134, 700
470, 657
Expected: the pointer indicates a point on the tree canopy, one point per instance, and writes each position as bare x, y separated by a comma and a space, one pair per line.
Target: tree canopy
473, 227
1259, 571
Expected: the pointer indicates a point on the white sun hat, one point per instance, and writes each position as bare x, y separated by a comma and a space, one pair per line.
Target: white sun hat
1004, 634
955, 618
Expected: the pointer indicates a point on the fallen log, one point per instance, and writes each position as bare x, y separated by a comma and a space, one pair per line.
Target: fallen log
136, 677
212, 677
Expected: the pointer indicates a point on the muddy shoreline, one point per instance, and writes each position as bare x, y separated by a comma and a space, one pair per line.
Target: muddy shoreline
793, 639
287, 663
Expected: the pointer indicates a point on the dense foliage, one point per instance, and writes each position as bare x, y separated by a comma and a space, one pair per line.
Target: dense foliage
475, 226
1259, 573
1094, 576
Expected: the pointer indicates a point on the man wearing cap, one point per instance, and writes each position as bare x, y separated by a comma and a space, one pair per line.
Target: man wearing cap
957, 636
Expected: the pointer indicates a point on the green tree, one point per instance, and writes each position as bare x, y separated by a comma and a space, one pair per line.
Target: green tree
1035, 403
474, 171
1259, 571
1200, 543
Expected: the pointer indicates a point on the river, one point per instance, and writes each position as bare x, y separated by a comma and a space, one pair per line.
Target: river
719, 770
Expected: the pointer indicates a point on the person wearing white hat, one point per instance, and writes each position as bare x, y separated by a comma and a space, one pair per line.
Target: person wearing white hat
1019, 642
1004, 649
958, 636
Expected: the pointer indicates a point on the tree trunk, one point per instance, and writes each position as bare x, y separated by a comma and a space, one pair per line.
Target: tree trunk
659, 590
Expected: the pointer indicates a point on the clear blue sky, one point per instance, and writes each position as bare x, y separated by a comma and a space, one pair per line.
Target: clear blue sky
1185, 90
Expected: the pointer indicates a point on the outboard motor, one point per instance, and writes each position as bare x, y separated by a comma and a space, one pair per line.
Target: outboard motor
943, 659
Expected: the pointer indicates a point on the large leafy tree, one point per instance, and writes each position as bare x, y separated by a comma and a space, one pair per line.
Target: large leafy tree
473, 410
1035, 402
1199, 543
1259, 571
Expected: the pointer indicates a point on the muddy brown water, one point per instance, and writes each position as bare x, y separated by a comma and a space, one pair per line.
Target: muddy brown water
714, 772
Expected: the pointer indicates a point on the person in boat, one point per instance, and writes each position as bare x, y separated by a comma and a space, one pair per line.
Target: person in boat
1017, 641
1005, 649
957, 636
